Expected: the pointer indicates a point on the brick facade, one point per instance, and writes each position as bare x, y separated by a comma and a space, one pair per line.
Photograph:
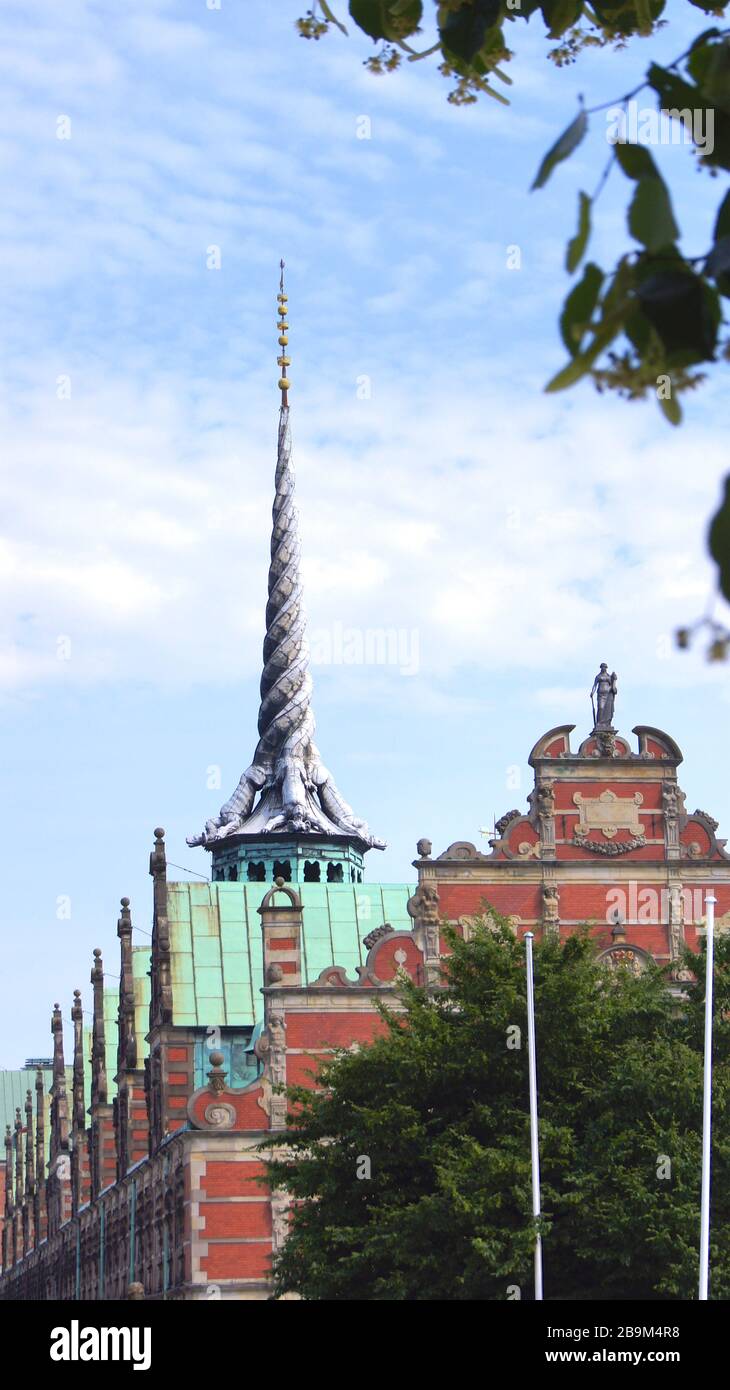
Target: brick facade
163, 1187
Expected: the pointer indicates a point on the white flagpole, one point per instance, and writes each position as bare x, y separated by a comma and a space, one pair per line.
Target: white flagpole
534, 1144
707, 1102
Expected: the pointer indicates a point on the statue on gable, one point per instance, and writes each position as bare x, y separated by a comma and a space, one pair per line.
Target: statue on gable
604, 689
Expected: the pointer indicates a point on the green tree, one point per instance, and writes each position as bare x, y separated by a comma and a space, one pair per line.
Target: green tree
654, 323
436, 1111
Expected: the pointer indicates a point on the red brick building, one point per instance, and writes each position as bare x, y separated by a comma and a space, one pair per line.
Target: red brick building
605, 839
146, 1176
167, 1194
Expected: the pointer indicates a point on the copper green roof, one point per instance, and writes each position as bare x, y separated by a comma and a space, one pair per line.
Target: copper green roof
141, 957
215, 938
13, 1086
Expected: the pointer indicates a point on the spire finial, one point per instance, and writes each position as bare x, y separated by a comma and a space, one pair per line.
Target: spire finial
283, 361
297, 793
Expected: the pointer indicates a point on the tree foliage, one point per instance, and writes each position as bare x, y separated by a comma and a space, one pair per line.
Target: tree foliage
439, 1108
655, 323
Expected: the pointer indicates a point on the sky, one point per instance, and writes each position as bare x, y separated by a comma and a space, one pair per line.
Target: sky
157, 159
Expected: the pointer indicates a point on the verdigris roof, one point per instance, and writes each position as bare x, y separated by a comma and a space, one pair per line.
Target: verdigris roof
215, 940
13, 1086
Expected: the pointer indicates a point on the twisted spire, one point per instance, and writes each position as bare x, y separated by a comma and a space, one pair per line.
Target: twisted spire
297, 793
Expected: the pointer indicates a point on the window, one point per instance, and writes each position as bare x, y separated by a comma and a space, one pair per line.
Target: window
282, 869
311, 871
334, 873
256, 872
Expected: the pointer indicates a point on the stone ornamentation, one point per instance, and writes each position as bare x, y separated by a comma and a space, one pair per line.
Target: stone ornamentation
423, 907
545, 800
550, 903
608, 813
606, 740
617, 957
676, 935
220, 1115
270, 1048
280, 1208
551, 909
376, 935
216, 1075
612, 848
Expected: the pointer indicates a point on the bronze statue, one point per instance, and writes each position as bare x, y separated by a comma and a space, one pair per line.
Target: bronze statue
604, 688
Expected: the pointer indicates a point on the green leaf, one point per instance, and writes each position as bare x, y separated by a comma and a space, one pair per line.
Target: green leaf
672, 89
463, 31
577, 246
717, 265
569, 141
671, 408
722, 221
719, 540
702, 38
635, 161
579, 306
605, 333
406, 15
718, 261
675, 303
370, 16
560, 15
651, 220
677, 95
644, 16
715, 82
638, 330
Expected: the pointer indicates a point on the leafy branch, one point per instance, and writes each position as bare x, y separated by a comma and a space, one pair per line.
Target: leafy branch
655, 324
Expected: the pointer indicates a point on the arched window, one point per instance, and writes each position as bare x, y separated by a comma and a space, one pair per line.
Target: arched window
334, 873
311, 871
282, 869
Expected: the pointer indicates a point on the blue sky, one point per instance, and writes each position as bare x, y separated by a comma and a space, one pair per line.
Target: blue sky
512, 539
